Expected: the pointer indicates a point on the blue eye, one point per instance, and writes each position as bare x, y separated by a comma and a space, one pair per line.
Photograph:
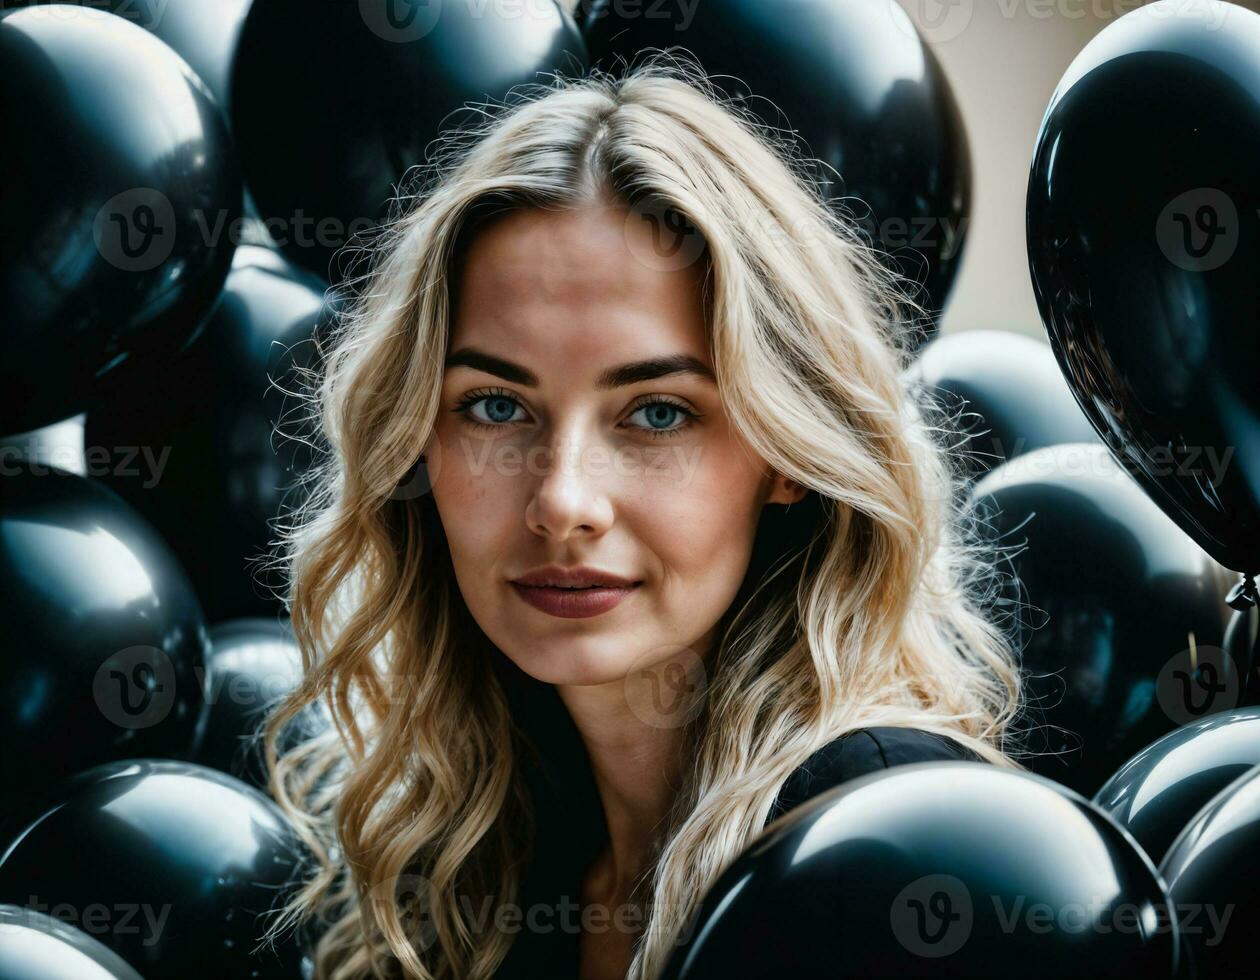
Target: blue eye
659, 415
498, 408
495, 409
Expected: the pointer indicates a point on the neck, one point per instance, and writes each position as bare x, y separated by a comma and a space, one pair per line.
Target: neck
637, 763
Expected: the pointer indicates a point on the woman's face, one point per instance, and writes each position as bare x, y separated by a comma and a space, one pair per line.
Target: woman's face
580, 425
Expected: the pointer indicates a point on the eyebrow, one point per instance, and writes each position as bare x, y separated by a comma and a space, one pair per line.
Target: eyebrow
615, 377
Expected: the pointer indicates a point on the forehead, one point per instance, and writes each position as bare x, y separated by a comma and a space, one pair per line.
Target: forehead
567, 289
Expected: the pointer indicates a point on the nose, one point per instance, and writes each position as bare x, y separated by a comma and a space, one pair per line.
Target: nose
568, 499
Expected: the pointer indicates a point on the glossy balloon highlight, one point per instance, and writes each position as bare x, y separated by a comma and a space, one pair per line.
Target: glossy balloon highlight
35, 946
945, 869
253, 664
1156, 793
102, 640
1005, 388
1213, 876
1143, 241
124, 169
202, 859
1120, 625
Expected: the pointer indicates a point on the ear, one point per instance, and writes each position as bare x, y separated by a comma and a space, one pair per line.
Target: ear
784, 490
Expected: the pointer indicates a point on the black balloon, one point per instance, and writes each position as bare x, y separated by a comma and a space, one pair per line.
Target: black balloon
862, 91
1122, 641
35, 946
953, 869
102, 641
1156, 793
1213, 876
253, 663
203, 34
206, 34
1145, 273
224, 424
1006, 389
118, 171
197, 860
334, 102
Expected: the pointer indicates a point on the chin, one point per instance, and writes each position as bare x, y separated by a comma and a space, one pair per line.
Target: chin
570, 664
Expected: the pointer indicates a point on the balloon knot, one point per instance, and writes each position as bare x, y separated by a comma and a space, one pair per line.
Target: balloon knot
1243, 595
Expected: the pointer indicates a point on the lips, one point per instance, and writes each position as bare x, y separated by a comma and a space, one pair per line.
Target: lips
571, 603
573, 593
576, 577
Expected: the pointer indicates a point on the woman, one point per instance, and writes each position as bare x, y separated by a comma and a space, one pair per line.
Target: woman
627, 540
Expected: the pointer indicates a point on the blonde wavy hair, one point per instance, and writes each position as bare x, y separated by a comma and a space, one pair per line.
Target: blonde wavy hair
879, 617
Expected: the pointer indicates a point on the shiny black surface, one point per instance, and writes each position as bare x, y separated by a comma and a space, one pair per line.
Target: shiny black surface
102, 641
1156, 793
1144, 241
253, 663
204, 34
333, 102
1119, 597
35, 946
1213, 875
201, 855
935, 870
864, 93
225, 414
117, 171
1007, 390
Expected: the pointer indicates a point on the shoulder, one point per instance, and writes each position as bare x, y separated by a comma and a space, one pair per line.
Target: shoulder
863, 751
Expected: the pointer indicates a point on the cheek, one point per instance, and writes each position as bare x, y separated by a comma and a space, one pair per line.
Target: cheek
474, 501
701, 527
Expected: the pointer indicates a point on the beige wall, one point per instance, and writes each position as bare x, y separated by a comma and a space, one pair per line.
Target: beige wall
1004, 58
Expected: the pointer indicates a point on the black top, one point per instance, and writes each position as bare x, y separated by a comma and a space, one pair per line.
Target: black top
571, 832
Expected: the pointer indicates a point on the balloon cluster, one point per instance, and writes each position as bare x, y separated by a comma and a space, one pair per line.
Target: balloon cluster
177, 177
192, 185
1121, 463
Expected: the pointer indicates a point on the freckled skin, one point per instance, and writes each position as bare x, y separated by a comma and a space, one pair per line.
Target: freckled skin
571, 474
